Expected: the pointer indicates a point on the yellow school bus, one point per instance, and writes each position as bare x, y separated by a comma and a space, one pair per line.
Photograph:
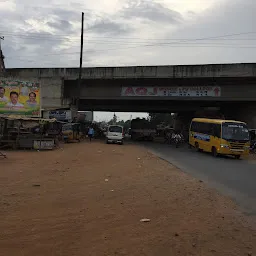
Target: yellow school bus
220, 137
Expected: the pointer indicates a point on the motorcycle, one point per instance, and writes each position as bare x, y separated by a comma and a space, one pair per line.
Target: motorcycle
253, 147
177, 140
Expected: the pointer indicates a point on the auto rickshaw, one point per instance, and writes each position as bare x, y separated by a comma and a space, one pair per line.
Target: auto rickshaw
72, 132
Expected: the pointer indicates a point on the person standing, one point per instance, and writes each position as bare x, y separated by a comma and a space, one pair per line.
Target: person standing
90, 133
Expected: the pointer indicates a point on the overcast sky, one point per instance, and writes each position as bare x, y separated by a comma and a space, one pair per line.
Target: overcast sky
127, 32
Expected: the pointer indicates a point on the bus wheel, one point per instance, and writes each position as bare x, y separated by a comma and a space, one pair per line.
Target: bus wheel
214, 152
237, 156
197, 147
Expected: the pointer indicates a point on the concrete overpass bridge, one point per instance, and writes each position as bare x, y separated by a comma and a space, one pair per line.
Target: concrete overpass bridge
189, 88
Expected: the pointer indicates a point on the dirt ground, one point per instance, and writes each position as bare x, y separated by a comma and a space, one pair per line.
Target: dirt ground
88, 199
252, 158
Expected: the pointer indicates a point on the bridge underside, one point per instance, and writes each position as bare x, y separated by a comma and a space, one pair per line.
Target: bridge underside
236, 101
158, 106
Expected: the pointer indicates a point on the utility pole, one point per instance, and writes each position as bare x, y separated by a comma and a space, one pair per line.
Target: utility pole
1, 38
81, 61
2, 65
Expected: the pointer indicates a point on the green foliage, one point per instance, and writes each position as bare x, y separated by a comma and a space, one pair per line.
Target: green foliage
161, 118
125, 124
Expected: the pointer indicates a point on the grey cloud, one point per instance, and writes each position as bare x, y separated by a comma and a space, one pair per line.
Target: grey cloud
106, 26
7, 16
151, 11
61, 25
229, 17
25, 48
70, 15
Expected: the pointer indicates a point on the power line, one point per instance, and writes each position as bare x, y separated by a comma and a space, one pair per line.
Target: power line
181, 43
177, 46
212, 37
170, 43
139, 42
185, 44
174, 46
52, 37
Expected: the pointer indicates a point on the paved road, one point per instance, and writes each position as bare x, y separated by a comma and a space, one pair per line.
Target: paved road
235, 178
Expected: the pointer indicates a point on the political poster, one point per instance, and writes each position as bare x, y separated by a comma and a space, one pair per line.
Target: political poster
20, 98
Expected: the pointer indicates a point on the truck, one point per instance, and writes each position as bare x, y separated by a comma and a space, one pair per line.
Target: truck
142, 129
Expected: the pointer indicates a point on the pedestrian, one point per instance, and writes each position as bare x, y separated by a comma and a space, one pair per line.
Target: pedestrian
91, 133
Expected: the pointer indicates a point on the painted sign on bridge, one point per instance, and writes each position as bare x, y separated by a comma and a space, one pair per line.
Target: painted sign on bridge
150, 91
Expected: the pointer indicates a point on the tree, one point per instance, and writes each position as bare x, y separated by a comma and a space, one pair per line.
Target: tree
126, 124
161, 118
113, 120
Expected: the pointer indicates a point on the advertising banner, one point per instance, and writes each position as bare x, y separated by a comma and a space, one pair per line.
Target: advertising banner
193, 91
20, 98
60, 115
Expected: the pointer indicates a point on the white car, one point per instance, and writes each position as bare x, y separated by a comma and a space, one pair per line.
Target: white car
115, 134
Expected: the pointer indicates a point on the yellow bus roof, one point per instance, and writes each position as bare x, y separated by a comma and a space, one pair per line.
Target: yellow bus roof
215, 121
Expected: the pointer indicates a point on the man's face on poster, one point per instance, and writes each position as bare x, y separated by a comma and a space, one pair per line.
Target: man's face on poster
14, 98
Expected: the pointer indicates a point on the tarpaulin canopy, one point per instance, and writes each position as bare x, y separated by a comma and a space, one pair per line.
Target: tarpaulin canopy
24, 118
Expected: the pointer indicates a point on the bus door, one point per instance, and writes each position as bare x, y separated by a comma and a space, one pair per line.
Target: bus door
215, 136
205, 137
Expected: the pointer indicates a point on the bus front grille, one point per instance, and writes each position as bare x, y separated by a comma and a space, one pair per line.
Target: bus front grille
237, 145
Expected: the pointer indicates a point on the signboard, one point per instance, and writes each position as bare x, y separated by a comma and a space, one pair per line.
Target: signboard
193, 91
43, 144
85, 116
19, 98
60, 115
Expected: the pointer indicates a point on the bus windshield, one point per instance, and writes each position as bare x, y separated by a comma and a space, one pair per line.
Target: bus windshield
235, 131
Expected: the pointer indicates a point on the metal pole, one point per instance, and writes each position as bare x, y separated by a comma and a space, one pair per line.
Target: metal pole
1, 38
2, 65
81, 60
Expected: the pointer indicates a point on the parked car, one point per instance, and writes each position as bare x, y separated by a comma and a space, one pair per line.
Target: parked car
115, 134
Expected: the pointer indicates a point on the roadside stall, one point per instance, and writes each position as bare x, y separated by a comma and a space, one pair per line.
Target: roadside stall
72, 132
24, 132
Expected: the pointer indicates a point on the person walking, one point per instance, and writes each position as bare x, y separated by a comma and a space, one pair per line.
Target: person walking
91, 133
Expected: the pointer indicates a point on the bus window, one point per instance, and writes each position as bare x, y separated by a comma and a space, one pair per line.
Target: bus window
205, 128
233, 131
217, 130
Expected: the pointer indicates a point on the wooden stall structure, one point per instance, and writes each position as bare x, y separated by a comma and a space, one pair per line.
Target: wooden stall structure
24, 132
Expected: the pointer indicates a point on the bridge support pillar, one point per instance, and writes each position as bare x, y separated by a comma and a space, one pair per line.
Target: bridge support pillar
182, 122
74, 110
245, 113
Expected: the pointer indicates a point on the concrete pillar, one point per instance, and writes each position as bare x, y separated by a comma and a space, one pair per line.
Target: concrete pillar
74, 111
52, 93
247, 115
245, 112
182, 122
